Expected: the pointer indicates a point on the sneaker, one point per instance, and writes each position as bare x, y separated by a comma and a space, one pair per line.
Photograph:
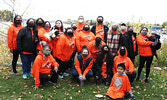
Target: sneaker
24, 76
146, 80
15, 74
60, 76
65, 74
53, 83
29, 74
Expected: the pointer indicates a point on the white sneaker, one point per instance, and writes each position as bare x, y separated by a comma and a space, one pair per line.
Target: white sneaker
60, 76
65, 74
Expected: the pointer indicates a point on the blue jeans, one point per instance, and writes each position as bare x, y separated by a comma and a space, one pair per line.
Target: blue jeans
26, 60
75, 73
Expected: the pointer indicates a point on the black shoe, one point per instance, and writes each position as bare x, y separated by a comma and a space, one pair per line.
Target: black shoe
137, 79
146, 80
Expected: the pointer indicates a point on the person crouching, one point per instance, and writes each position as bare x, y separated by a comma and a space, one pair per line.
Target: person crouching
83, 65
45, 65
120, 87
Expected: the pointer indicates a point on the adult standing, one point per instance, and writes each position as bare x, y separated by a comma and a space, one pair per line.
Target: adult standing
100, 28
59, 26
80, 23
12, 35
123, 28
114, 39
145, 52
27, 40
129, 41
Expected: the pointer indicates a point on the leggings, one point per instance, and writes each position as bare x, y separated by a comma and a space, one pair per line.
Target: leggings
148, 61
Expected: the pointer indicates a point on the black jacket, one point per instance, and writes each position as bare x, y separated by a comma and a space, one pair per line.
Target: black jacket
93, 29
25, 41
128, 43
109, 63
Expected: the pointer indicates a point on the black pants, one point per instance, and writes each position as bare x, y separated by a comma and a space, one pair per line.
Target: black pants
148, 61
44, 77
71, 66
132, 59
132, 76
63, 66
15, 58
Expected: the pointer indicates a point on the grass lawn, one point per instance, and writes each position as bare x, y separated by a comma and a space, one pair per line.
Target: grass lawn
15, 87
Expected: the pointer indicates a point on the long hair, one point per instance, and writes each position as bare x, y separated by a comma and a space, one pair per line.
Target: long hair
15, 20
61, 25
118, 31
47, 22
40, 19
67, 29
35, 30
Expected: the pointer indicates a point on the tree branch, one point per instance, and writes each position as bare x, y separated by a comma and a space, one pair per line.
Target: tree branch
26, 8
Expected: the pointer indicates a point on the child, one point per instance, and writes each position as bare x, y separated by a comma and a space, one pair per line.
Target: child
120, 86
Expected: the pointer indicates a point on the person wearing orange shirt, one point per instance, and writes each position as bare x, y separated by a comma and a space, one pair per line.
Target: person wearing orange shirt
58, 26
123, 28
100, 28
120, 87
104, 65
40, 23
129, 41
94, 48
145, 52
64, 49
27, 40
83, 64
43, 66
44, 35
80, 23
84, 37
11, 38
129, 66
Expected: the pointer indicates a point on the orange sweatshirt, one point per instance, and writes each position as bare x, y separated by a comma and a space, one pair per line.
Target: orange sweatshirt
80, 26
123, 59
84, 38
42, 64
65, 47
143, 45
12, 35
78, 67
94, 51
119, 86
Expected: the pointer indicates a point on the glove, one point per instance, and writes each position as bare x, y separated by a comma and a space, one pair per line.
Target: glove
155, 42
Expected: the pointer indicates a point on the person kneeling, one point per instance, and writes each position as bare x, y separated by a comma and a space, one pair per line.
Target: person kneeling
45, 65
83, 65
120, 87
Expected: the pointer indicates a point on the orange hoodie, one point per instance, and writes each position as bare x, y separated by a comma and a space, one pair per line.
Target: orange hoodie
42, 37
64, 48
143, 45
100, 30
80, 26
42, 64
123, 59
78, 67
84, 38
12, 35
94, 51
119, 86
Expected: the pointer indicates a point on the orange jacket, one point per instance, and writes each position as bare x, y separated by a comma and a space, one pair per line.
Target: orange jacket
84, 38
41, 32
78, 67
119, 86
123, 59
94, 51
12, 35
65, 47
42, 64
80, 26
143, 45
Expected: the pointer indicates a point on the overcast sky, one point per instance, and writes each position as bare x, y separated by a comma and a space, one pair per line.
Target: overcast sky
152, 11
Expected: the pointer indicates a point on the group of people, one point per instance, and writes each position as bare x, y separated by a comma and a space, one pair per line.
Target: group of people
106, 54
